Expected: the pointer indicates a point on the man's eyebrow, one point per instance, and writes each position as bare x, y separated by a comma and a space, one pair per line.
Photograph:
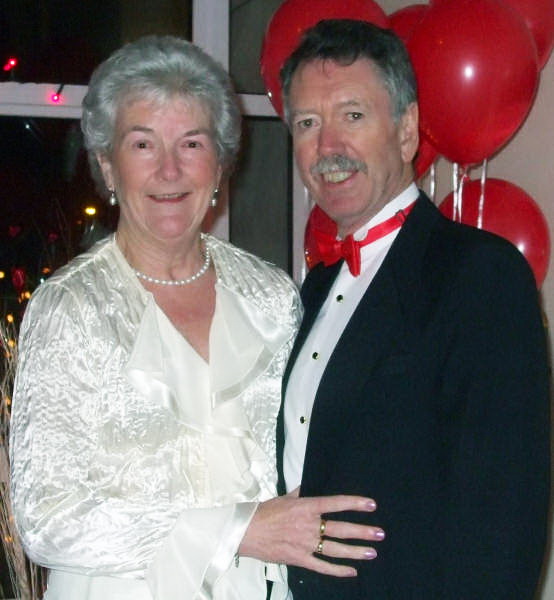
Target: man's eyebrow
296, 113
343, 104
350, 102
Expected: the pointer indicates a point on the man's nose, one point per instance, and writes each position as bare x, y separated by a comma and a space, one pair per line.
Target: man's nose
331, 140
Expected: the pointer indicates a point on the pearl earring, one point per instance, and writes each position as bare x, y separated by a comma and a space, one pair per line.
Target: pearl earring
113, 198
213, 201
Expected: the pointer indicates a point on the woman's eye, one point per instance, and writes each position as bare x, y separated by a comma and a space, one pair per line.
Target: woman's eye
305, 123
192, 144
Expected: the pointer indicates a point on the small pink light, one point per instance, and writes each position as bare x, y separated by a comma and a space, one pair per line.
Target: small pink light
56, 97
10, 64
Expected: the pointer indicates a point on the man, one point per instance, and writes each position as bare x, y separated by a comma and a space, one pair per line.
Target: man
422, 380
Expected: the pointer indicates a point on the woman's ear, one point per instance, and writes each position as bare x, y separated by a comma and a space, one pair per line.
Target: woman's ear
107, 171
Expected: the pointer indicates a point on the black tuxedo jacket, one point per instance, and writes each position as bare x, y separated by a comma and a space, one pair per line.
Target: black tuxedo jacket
435, 403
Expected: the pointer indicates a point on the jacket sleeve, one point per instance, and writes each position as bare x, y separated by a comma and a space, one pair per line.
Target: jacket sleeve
495, 391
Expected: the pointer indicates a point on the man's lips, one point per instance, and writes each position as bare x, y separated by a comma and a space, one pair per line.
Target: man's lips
337, 176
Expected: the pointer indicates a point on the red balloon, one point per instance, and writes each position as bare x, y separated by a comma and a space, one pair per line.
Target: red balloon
509, 212
404, 21
290, 21
319, 220
425, 157
539, 17
477, 71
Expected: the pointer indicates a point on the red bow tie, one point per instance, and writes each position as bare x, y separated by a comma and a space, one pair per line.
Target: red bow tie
330, 250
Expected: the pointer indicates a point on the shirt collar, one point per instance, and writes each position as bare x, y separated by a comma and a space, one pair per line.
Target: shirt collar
404, 199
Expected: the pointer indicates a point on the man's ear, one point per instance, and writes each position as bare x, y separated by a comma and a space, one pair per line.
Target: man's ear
408, 132
107, 171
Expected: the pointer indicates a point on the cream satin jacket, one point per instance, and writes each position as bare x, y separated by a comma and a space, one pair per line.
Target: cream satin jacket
113, 474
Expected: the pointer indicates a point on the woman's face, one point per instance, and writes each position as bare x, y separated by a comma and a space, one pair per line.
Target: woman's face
163, 167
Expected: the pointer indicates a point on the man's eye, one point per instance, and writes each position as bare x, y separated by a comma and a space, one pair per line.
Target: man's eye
355, 116
192, 144
305, 123
141, 145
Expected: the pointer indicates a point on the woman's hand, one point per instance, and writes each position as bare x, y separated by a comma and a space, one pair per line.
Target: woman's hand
288, 529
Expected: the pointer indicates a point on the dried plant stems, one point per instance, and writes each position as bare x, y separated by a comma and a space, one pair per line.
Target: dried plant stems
27, 578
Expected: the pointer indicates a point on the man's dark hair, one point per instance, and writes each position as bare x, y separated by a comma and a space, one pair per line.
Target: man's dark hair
345, 41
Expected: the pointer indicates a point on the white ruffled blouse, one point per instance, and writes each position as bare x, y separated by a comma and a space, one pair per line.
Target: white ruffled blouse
136, 465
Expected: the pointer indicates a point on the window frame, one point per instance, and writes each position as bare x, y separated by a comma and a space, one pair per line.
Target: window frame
210, 26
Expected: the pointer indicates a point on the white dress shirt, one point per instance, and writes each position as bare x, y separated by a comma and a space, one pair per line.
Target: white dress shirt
343, 298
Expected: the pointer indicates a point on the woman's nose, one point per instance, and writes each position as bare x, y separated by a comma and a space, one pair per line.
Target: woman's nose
169, 168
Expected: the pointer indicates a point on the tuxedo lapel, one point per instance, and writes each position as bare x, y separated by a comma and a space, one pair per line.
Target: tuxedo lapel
378, 328
372, 330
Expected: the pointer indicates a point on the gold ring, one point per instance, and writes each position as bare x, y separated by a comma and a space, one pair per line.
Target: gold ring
322, 526
319, 548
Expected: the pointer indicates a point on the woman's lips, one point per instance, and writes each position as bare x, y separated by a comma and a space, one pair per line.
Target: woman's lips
176, 197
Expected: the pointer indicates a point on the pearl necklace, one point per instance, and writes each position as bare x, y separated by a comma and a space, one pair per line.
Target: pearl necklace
186, 281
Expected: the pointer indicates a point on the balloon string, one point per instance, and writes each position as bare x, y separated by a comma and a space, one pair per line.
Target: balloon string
459, 176
462, 180
456, 202
482, 194
432, 183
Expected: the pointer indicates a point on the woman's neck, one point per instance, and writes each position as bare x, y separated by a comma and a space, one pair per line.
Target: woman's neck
174, 259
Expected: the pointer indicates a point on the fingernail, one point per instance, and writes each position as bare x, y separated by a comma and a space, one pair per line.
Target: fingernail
379, 534
370, 553
352, 573
371, 504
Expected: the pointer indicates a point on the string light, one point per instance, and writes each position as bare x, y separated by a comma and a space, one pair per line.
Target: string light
90, 211
10, 64
57, 97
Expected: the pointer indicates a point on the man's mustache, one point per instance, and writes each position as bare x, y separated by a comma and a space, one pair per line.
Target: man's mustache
337, 162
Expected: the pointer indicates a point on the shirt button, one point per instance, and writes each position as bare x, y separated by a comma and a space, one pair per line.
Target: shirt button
340, 298
303, 420
315, 355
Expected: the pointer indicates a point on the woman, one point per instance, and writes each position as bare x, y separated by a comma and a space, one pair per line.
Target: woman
149, 378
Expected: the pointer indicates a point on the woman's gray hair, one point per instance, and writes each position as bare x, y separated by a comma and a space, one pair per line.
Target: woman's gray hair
158, 68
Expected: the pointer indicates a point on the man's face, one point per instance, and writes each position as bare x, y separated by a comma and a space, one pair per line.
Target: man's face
352, 156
